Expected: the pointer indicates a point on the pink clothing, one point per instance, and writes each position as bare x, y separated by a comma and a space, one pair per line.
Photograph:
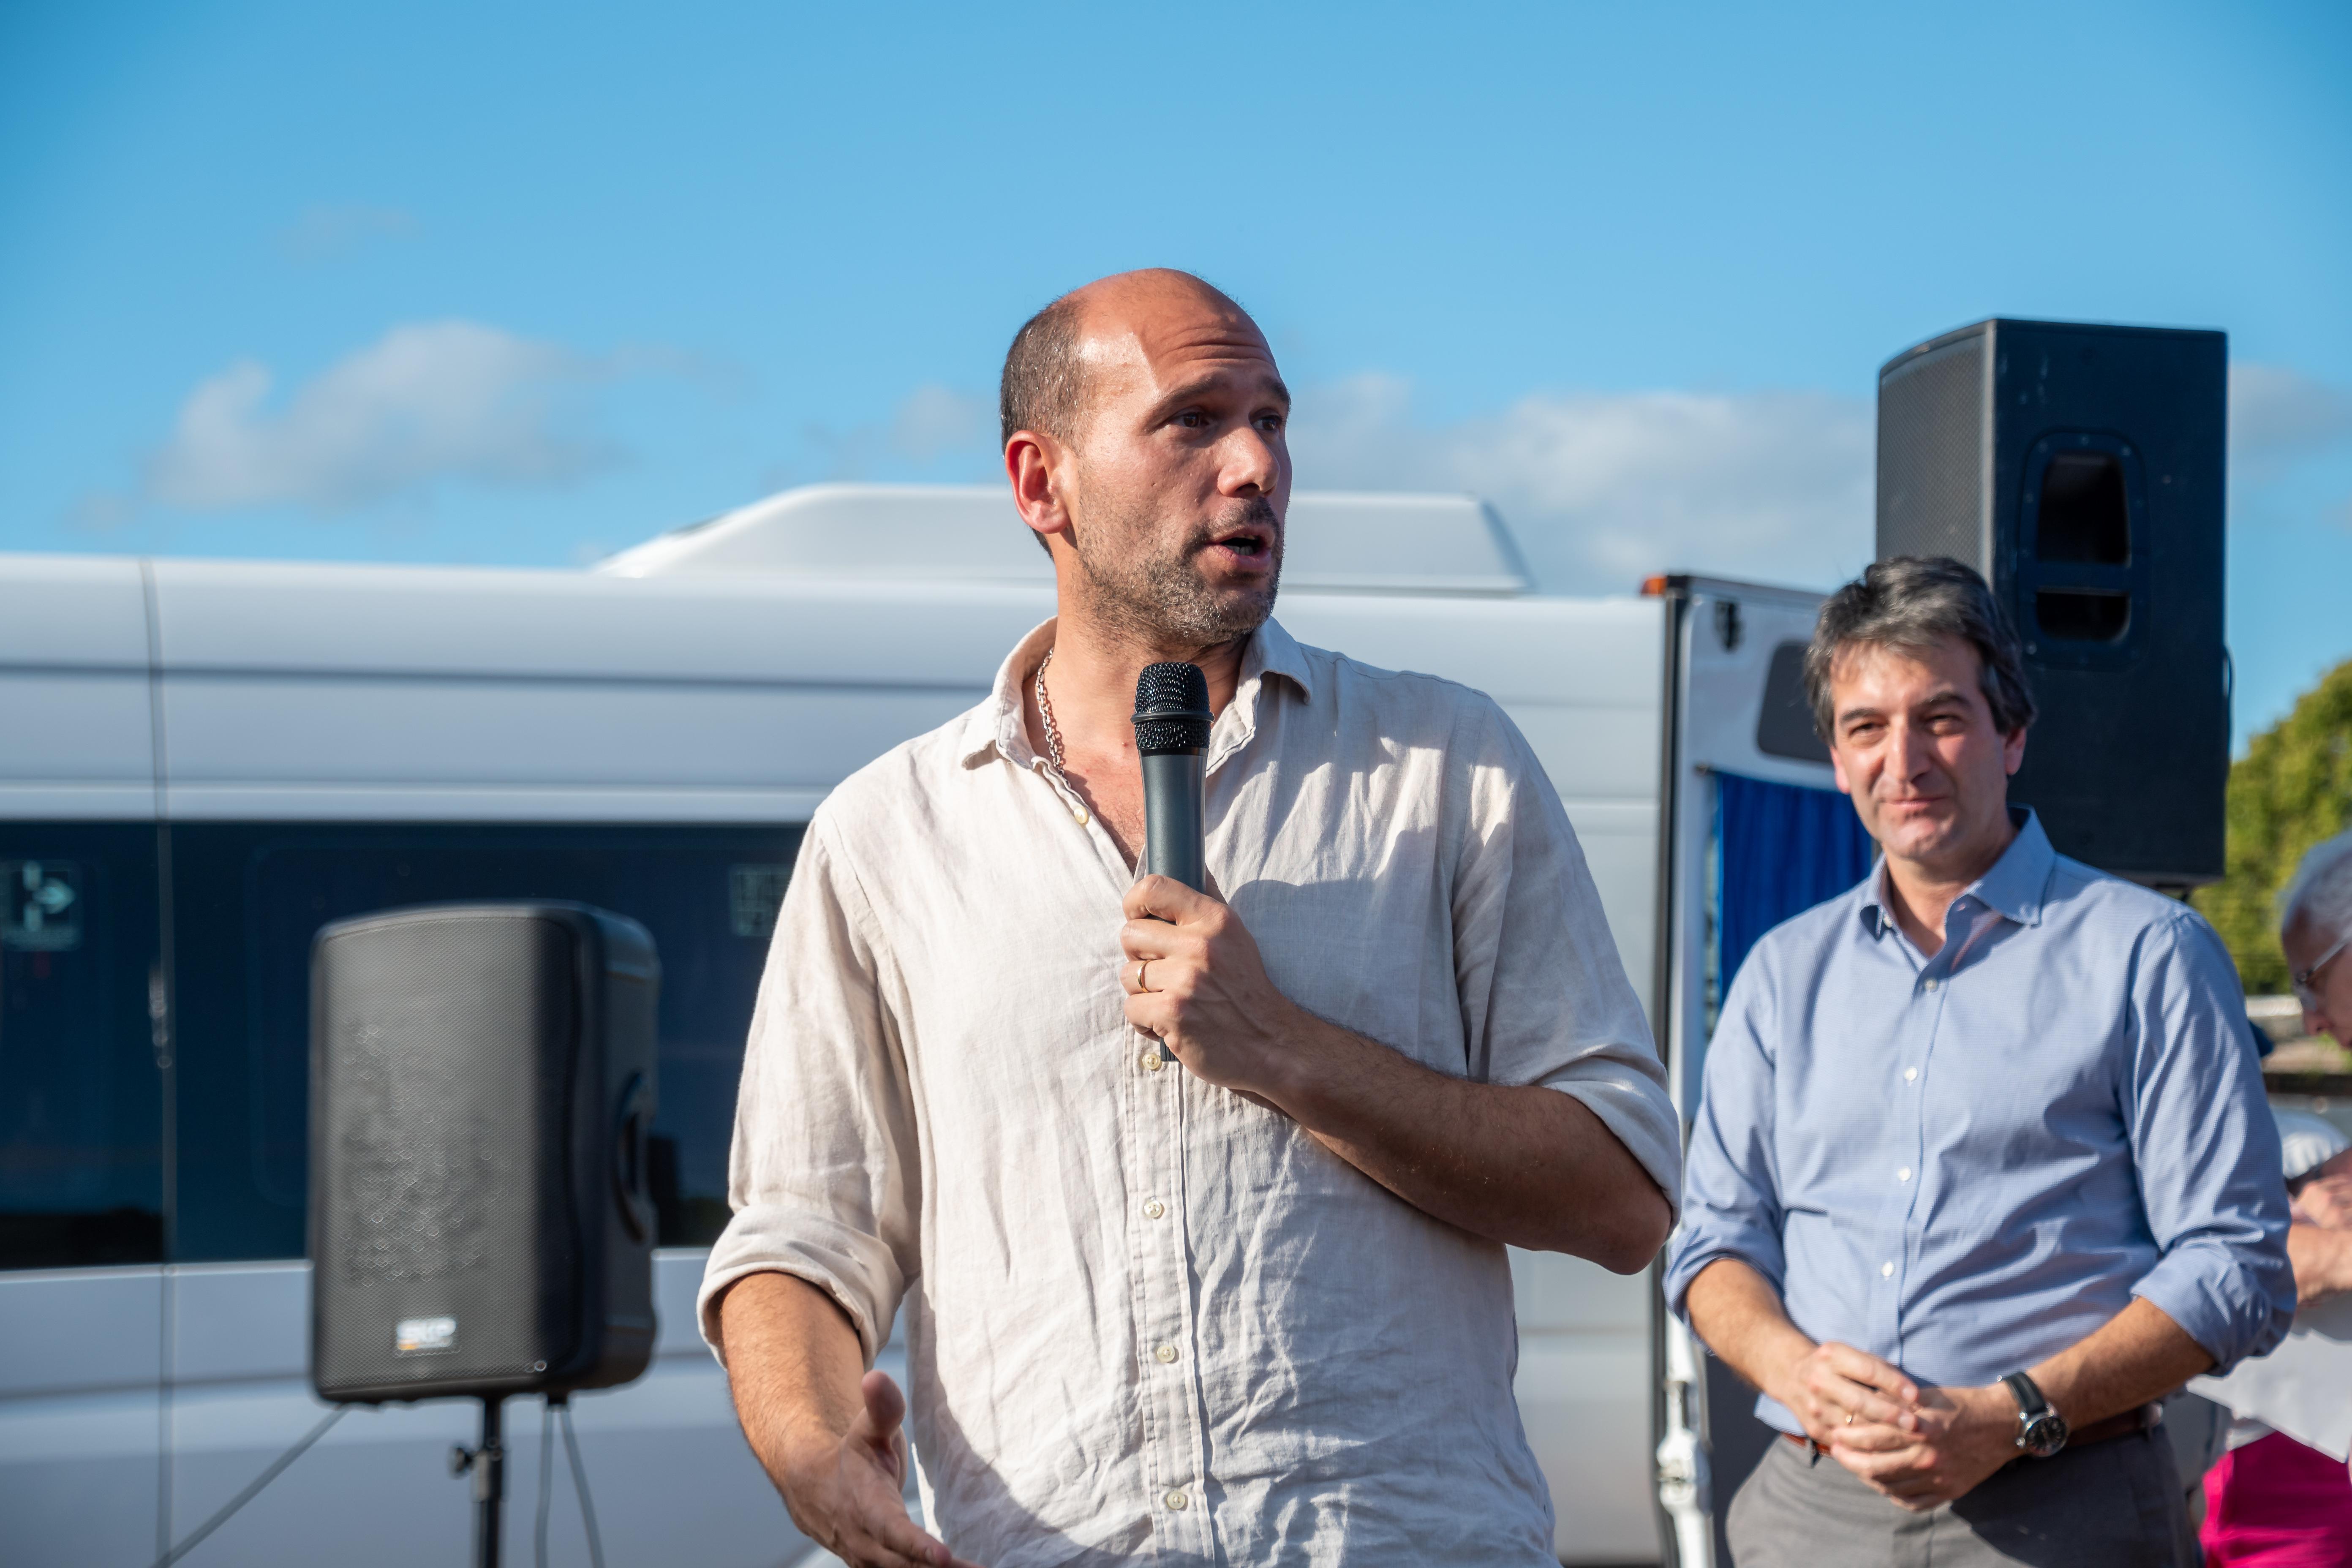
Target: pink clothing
2275, 1503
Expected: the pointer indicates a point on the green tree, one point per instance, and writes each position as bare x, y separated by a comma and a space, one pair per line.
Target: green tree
2291, 789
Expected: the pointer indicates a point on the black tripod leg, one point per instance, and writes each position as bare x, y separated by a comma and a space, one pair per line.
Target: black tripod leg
489, 1486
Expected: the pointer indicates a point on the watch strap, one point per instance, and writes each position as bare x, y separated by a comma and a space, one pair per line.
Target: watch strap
2040, 1430
2031, 1401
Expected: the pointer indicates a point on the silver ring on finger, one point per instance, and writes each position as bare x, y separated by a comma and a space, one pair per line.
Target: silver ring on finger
1849, 1417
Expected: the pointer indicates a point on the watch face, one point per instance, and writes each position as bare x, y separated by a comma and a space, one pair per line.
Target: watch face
2044, 1435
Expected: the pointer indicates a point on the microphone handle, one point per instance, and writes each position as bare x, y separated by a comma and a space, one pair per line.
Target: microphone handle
1173, 793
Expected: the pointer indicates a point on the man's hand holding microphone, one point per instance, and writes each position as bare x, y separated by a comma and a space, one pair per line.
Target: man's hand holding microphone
1194, 978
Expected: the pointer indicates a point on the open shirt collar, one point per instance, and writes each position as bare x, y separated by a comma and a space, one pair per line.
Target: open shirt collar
1000, 727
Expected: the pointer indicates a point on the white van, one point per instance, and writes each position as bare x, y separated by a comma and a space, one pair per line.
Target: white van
203, 761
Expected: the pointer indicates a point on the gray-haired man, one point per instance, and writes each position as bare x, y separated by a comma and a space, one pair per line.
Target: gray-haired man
1982, 1167
2315, 930
2316, 934
2292, 1499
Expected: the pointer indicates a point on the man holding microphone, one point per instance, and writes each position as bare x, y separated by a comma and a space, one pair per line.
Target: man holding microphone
1196, 1202
1982, 1167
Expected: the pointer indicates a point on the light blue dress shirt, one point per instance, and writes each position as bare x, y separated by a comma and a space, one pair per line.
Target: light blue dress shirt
1964, 1164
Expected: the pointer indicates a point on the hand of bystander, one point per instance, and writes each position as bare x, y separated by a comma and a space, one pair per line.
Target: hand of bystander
2326, 1198
2320, 1241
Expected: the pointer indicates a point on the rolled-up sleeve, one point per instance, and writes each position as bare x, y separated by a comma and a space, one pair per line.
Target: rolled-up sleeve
1731, 1202
822, 1171
1544, 992
2206, 1150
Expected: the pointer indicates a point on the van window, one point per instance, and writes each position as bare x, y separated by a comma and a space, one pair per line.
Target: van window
81, 1095
247, 900
1784, 721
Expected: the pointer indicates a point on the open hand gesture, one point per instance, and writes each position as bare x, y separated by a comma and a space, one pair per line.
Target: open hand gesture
852, 1500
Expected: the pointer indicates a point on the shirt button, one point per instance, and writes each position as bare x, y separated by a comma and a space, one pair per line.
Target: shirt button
1886, 1270
1079, 813
1931, 985
1176, 1501
1910, 1074
1153, 1061
1904, 1174
1154, 1209
1165, 1353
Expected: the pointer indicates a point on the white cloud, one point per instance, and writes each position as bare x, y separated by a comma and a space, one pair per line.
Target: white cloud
936, 420
1602, 489
2280, 416
935, 434
331, 233
426, 402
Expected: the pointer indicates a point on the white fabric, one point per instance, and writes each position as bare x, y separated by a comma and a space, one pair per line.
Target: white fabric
1144, 1314
2306, 1140
2303, 1388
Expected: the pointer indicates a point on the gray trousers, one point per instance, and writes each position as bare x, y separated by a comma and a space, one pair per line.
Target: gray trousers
2115, 1504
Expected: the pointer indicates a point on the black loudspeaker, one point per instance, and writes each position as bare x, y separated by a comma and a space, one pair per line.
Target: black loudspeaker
481, 1083
2080, 469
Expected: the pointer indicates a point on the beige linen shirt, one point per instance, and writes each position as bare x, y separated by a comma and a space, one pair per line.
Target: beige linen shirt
1146, 1317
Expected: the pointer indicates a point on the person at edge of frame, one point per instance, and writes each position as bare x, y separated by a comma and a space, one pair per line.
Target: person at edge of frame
1197, 1203
2270, 1500
1982, 1167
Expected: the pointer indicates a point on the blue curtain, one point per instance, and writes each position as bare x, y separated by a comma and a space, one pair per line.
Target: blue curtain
1781, 849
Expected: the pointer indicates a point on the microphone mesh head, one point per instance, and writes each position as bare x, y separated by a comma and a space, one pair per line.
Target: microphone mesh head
1171, 708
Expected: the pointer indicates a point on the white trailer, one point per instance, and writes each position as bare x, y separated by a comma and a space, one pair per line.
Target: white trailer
204, 761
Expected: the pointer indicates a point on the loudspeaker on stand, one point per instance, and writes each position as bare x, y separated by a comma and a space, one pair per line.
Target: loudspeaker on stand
2079, 468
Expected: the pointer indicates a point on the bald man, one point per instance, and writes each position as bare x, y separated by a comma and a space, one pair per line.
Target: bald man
1196, 1204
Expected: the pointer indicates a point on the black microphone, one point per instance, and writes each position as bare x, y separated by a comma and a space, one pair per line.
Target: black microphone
1171, 731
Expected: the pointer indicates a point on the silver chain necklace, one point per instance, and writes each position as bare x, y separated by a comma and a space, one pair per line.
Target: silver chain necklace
1045, 712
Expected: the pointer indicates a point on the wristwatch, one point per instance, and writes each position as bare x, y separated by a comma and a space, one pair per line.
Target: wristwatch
2040, 1430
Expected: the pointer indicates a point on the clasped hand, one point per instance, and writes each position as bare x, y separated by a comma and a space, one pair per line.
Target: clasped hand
1195, 981
1917, 1446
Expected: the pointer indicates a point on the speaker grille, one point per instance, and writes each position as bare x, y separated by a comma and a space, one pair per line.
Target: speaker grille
418, 1164
1933, 452
448, 1046
2079, 467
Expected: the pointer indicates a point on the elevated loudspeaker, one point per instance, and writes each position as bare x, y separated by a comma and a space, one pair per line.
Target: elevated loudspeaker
2080, 469
481, 1082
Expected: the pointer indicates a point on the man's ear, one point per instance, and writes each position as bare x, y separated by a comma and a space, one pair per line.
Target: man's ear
2013, 750
1036, 464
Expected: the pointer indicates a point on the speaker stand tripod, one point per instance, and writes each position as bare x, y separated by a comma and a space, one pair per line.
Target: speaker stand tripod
488, 1461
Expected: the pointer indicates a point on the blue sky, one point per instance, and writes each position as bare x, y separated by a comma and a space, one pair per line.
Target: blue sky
523, 284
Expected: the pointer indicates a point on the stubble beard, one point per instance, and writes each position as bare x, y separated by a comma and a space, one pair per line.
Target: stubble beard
1152, 592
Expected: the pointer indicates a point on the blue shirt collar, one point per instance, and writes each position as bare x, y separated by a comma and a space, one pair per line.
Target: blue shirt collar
2014, 887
